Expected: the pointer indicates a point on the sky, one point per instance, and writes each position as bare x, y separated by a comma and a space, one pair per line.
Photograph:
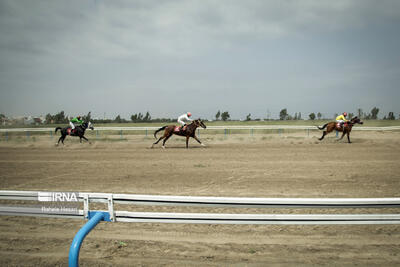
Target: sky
169, 57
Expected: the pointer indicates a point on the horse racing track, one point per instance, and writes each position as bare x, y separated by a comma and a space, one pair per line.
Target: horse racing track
236, 166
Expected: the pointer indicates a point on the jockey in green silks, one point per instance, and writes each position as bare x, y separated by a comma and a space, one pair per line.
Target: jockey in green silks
75, 120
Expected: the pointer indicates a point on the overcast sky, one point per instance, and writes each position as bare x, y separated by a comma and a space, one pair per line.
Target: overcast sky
169, 57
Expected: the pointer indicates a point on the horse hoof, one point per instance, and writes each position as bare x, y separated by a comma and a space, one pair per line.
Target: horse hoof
203, 145
163, 147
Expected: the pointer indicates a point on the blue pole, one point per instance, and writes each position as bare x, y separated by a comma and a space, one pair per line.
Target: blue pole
337, 134
95, 218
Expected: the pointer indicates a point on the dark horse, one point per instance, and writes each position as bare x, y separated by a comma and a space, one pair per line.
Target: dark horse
330, 126
78, 131
189, 131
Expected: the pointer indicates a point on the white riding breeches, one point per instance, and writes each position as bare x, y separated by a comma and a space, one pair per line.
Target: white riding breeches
181, 122
72, 125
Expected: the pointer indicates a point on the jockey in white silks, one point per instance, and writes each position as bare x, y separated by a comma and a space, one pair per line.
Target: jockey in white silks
182, 119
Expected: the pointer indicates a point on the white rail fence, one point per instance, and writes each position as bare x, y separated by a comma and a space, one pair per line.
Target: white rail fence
227, 127
209, 218
112, 215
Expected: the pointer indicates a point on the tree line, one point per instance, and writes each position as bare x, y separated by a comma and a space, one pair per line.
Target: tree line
61, 117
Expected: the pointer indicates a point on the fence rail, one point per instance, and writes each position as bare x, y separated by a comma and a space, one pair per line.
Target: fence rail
236, 202
94, 217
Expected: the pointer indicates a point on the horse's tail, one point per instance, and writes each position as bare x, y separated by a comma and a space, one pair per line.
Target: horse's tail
58, 128
155, 133
323, 127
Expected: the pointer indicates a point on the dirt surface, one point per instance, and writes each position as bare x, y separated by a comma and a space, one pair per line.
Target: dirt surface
239, 165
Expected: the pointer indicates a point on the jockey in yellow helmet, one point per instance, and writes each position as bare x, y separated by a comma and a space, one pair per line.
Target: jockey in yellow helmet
342, 119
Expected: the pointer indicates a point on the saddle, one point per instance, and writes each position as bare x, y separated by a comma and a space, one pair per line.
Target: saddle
70, 131
338, 125
178, 129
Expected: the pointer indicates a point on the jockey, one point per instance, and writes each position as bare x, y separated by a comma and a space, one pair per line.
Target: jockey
182, 119
75, 120
342, 119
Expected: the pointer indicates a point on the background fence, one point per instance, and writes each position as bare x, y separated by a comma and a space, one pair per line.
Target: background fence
28, 133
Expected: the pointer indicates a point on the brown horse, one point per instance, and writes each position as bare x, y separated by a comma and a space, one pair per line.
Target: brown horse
189, 131
330, 126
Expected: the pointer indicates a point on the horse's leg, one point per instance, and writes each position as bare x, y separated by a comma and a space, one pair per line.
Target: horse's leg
187, 141
85, 139
348, 137
63, 138
197, 139
165, 140
159, 139
323, 135
341, 136
59, 139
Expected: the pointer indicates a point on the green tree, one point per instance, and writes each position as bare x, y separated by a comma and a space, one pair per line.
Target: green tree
225, 115
360, 113
147, 117
283, 114
374, 113
248, 117
134, 118
391, 116
88, 117
319, 115
217, 115
60, 117
312, 116
49, 118
118, 119
351, 115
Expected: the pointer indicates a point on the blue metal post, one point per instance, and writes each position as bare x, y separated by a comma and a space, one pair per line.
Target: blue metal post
97, 134
337, 134
6, 137
27, 135
146, 132
94, 218
51, 134
121, 134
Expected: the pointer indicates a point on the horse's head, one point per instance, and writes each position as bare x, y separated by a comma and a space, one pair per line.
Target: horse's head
356, 120
86, 125
90, 126
200, 123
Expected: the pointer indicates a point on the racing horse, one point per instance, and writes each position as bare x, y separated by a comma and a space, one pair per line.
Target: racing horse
188, 131
346, 129
78, 131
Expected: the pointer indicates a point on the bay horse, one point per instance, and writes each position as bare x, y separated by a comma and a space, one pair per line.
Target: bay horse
78, 131
189, 131
347, 126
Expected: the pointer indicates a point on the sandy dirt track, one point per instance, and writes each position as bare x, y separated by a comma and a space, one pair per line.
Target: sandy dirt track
259, 166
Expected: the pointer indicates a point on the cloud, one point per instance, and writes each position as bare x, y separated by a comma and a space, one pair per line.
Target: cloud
117, 29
